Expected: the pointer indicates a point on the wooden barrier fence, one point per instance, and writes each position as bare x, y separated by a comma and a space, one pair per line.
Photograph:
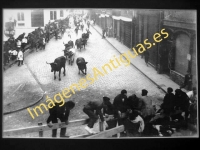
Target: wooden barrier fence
41, 128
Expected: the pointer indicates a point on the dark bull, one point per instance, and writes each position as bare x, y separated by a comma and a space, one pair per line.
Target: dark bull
57, 66
80, 61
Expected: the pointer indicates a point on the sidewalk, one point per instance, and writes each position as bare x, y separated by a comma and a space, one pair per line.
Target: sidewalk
20, 89
161, 80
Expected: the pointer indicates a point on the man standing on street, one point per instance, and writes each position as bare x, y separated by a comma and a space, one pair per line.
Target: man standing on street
90, 109
88, 23
188, 81
103, 33
61, 112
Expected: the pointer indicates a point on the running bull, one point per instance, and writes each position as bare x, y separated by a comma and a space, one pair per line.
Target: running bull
80, 61
57, 66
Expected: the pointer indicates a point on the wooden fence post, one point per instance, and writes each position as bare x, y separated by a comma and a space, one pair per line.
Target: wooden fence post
40, 132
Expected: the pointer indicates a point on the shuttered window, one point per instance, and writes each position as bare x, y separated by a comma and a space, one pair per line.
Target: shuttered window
61, 13
118, 29
37, 18
127, 34
153, 22
121, 31
115, 28
53, 15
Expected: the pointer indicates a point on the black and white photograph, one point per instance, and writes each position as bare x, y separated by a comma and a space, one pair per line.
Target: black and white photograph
99, 73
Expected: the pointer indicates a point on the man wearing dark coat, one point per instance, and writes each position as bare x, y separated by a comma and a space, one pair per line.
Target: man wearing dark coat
168, 102
121, 105
90, 109
182, 102
61, 112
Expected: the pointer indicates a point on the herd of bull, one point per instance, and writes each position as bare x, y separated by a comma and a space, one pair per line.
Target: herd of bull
69, 54
38, 39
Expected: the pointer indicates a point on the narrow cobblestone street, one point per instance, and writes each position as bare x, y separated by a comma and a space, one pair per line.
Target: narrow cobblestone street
97, 53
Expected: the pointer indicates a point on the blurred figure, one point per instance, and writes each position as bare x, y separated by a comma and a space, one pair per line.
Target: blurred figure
103, 33
147, 110
20, 57
193, 106
188, 81
24, 42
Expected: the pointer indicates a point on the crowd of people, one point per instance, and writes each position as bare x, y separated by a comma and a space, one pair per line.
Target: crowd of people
140, 117
138, 114
14, 48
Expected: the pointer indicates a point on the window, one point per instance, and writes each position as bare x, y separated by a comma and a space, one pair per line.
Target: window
53, 15
37, 18
21, 24
61, 13
20, 16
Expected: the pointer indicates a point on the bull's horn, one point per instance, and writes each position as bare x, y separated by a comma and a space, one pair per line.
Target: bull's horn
47, 62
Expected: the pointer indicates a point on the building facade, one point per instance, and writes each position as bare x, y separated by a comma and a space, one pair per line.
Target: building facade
34, 18
175, 55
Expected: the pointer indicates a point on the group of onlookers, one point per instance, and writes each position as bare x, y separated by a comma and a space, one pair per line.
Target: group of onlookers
137, 113
14, 48
140, 117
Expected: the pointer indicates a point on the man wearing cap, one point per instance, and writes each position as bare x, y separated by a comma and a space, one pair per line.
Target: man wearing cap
90, 109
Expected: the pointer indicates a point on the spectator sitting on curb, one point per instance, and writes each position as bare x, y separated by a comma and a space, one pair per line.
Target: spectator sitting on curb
134, 124
110, 115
